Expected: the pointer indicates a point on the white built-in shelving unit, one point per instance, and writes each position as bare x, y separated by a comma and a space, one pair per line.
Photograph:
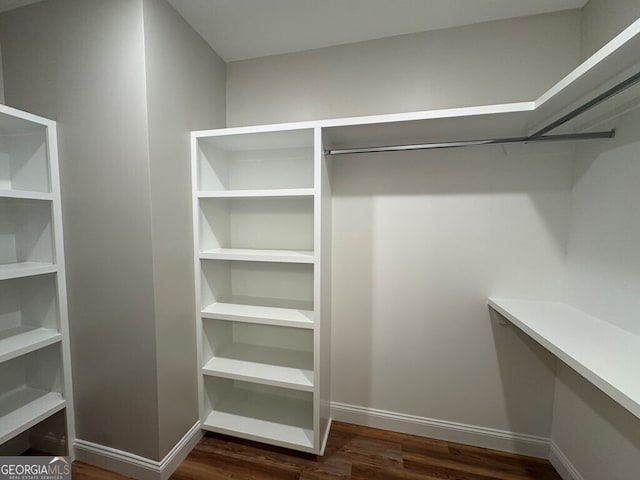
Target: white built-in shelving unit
261, 214
35, 373
261, 232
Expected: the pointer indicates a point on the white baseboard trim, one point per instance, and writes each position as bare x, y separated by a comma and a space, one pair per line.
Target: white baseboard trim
562, 464
443, 430
135, 466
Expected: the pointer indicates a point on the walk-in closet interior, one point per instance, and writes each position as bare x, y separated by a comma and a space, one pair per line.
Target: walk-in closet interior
250, 219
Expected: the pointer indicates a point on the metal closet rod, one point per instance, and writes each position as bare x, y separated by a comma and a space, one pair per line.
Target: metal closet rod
538, 136
471, 143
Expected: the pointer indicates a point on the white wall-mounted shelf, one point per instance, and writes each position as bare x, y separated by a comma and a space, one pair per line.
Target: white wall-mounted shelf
271, 193
258, 255
25, 269
602, 353
27, 195
20, 340
278, 367
284, 317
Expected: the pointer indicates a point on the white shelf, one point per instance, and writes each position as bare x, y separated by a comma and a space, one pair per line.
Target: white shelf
278, 367
614, 62
604, 354
268, 193
26, 194
22, 409
262, 417
18, 341
258, 255
285, 317
25, 269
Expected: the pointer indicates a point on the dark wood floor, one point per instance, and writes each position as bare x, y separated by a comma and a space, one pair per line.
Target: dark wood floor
353, 452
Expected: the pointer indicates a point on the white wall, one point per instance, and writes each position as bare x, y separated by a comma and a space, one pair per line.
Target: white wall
420, 241
502, 61
185, 91
603, 264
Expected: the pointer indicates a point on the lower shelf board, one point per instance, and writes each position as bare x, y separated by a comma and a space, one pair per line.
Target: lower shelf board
25, 269
273, 419
288, 317
258, 255
267, 365
23, 408
20, 340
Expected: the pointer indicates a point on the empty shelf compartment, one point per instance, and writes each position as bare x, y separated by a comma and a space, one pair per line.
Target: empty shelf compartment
256, 161
258, 412
33, 383
24, 165
29, 317
26, 237
288, 317
259, 284
276, 229
271, 355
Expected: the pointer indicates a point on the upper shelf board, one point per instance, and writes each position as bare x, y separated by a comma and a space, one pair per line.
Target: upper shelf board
602, 353
15, 122
614, 62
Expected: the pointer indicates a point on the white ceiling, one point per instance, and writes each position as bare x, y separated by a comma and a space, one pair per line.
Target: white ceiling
242, 29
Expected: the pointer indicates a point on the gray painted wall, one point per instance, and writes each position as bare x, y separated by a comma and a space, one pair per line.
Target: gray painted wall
81, 62
604, 19
502, 61
126, 80
185, 91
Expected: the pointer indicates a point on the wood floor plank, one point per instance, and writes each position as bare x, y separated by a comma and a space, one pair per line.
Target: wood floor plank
84, 471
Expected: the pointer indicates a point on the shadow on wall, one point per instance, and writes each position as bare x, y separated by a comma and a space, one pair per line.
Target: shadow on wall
601, 438
420, 240
527, 372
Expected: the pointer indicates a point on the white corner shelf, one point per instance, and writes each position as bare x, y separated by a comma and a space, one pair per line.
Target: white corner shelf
26, 195
284, 317
268, 193
18, 341
25, 269
279, 367
604, 354
264, 417
258, 255
22, 409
